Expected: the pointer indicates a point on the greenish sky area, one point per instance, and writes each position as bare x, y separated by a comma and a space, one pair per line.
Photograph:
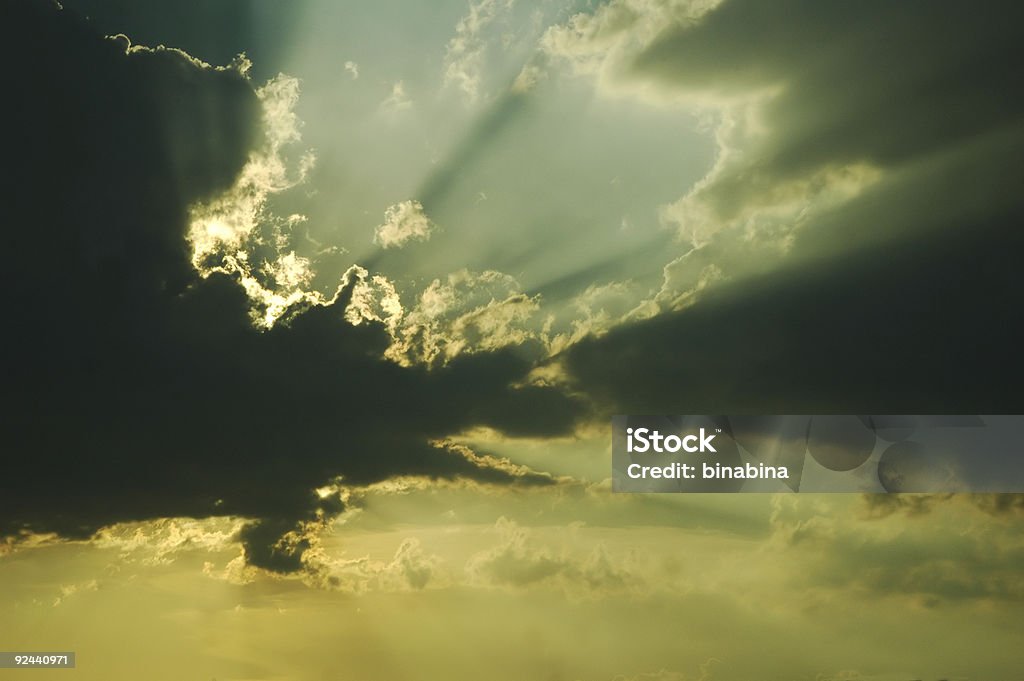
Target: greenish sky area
318, 345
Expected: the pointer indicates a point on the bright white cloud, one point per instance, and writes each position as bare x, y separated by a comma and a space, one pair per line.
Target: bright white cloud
225, 231
465, 312
404, 222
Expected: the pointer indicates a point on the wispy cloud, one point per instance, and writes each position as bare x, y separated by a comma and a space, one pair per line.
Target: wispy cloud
466, 51
398, 100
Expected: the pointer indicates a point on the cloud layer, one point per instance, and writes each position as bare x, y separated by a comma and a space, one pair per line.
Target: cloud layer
853, 245
144, 388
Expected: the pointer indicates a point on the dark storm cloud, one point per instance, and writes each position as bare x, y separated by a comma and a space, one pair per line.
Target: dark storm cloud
143, 391
873, 80
911, 328
923, 316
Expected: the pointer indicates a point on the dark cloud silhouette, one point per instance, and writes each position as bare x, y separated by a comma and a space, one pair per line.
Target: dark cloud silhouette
918, 327
142, 390
901, 298
876, 80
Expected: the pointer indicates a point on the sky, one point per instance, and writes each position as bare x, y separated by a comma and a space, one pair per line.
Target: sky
319, 313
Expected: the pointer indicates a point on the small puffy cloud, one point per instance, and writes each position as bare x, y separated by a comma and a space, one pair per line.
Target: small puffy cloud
404, 222
352, 69
398, 100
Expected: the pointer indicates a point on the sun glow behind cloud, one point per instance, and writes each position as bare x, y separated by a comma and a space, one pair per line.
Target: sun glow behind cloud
562, 180
240, 233
658, 253
226, 231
